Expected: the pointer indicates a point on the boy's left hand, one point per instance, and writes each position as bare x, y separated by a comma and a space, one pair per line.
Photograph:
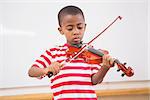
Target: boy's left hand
108, 61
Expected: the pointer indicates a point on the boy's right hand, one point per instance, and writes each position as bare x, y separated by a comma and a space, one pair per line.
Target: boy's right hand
54, 68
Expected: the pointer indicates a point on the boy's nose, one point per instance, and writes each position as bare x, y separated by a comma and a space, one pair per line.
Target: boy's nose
76, 32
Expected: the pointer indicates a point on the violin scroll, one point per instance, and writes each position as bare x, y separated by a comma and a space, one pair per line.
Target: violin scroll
128, 71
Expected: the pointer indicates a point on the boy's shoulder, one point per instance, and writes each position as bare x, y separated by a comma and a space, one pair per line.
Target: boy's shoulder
59, 47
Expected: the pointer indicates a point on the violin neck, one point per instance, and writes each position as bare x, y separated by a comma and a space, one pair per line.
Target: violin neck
97, 52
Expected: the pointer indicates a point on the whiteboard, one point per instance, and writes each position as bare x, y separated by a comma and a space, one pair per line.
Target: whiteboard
29, 27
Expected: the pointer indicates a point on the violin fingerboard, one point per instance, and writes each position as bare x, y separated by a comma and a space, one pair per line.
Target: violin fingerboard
97, 52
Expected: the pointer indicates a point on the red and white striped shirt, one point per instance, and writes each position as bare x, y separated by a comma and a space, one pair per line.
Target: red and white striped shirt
73, 82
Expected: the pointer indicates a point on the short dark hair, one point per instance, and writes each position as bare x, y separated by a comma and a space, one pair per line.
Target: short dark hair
71, 10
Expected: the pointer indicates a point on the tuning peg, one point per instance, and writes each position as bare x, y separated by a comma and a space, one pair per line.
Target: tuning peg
123, 74
118, 70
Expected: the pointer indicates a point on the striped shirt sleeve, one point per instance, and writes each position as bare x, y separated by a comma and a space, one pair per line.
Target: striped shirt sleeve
43, 61
95, 68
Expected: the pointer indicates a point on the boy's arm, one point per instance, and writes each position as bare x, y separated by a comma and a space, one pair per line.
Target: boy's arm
54, 67
106, 63
98, 77
37, 72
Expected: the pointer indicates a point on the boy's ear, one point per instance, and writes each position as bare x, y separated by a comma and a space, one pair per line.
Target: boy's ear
60, 30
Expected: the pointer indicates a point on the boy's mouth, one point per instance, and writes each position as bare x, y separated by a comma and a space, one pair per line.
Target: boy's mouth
76, 40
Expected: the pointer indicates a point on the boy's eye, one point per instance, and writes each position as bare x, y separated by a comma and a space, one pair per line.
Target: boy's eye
69, 29
80, 28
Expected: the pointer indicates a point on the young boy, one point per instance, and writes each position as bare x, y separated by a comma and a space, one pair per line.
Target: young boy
73, 80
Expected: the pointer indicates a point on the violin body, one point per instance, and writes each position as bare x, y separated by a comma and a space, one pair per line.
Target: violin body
88, 55
93, 56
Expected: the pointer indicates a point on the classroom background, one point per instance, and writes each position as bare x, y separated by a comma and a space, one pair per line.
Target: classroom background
29, 27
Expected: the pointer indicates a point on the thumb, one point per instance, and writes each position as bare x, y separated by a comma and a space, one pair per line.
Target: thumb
112, 62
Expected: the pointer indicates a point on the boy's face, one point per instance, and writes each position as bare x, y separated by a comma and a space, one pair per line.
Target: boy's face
73, 27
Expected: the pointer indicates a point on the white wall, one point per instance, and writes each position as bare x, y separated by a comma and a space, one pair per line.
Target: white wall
148, 40
29, 27
1, 44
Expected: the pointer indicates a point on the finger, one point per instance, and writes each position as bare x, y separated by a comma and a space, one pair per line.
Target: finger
108, 60
53, 70
105, 57
56, 69
59, 64
112, 62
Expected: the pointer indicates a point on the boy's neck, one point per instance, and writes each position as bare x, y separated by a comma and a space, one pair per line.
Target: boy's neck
79, 45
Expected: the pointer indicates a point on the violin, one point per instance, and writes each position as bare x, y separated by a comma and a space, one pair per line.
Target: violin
93, 56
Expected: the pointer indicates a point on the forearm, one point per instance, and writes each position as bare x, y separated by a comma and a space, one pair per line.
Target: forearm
98, 77
37, 72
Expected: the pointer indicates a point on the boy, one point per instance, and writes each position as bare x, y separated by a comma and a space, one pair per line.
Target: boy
73, 80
